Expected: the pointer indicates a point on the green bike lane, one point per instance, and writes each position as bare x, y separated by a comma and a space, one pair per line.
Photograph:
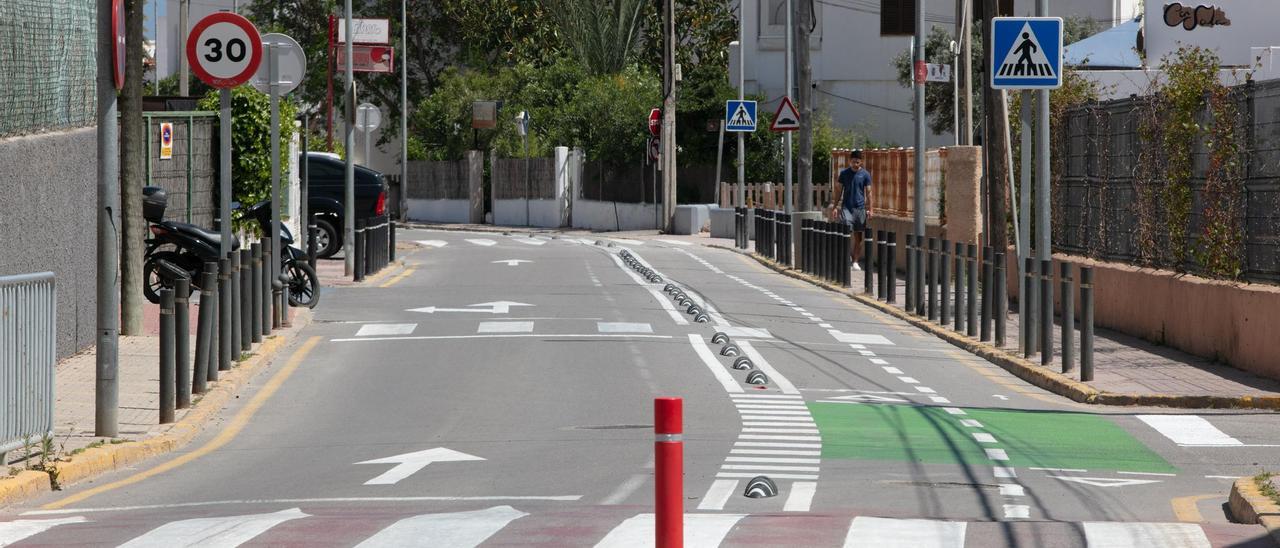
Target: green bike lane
915, 428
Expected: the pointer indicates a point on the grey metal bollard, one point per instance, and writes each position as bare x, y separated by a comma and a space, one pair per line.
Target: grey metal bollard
255, 293
182, 342
1046, 312
360, 251
237, 318
244, 305
987, 275
868, 268
971, 257
944, 282
224, 319
1027, 327
204, 327
1068, 318
1086, 323
882, 265
961, 287
911, 274
1000, 300
391, 244
921, 266
891, 270
264, 270
931, 278
166, 356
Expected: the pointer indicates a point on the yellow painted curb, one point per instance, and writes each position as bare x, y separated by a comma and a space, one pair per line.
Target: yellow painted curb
1249, 505
1027, 370
25, 485
106, 458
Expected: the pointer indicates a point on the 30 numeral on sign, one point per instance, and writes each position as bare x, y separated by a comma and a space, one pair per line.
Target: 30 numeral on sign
235, 50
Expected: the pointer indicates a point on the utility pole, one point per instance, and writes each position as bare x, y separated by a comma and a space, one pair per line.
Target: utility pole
789, 72
404, 103
107, 351
184, 71
349, 144
804, 94
966, 67
918, 226
1044, 251
669, 116
996, 143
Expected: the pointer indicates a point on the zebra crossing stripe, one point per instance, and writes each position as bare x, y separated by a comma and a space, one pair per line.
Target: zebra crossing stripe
699, 530
483, 242
905, 533
457, 529
1135, 535
14, 531
220, 532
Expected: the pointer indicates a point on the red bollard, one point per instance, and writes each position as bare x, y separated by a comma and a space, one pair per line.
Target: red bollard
668, 450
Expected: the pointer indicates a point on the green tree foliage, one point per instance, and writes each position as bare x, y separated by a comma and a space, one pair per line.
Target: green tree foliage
938, 103
704, 29
251, 141
602, 34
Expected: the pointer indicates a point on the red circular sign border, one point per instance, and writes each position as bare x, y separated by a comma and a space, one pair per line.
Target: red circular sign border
655, 121
193, 58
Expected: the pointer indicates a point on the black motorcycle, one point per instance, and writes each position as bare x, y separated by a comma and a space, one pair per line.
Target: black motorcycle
175, 249
181, 249
304, 285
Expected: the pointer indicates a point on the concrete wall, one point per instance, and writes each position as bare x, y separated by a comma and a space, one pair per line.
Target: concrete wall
438, 211
542, 213
594, 215
48, 222
1231, 322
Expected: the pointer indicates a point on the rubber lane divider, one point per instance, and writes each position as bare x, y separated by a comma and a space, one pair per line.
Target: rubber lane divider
1249, 505
111, 457
1027, 370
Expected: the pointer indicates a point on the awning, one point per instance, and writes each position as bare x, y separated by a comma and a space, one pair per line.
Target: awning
1114, 48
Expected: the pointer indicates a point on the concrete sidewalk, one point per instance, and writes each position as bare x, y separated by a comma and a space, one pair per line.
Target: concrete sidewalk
75, 453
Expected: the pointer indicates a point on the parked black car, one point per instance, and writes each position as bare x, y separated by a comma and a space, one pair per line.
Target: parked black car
327, 174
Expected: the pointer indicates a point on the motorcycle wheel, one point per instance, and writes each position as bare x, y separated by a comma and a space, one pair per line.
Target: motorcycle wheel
152, 282
304, 285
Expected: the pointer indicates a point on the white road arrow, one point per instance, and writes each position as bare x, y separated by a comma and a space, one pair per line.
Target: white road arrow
512, 262
499, 307
999, 397
432, 243
1106, 482
410, 463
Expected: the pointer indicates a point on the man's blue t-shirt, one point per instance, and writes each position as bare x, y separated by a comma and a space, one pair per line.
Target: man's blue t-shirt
855, 184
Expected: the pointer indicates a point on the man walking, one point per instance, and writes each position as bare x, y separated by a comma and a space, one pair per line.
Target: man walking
854, 207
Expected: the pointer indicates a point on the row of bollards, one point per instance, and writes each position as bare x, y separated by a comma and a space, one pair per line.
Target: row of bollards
239, 305
827, 249
374, 245
741, 227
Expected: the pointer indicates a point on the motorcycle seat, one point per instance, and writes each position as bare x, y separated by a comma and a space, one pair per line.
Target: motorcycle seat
198, 232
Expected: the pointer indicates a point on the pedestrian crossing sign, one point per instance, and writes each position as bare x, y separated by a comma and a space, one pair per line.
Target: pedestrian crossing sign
740, 116
1028, 53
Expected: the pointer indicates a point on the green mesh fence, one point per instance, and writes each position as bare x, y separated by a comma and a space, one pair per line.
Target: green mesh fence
47, 67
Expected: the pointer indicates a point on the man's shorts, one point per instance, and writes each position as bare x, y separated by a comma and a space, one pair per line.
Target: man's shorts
856, 218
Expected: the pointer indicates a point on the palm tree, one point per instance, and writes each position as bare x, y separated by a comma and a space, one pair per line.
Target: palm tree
603, 33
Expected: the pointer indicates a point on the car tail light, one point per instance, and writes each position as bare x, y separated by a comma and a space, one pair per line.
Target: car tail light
381, 207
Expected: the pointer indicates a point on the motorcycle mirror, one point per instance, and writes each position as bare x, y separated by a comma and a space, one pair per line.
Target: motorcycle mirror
235, 206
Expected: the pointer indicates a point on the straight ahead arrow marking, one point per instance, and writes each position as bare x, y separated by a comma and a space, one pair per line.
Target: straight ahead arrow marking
409, 463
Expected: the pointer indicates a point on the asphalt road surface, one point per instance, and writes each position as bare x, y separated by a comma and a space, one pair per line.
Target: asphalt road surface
500, 392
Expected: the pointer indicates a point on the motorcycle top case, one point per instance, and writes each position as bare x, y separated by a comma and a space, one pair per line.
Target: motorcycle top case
154, 202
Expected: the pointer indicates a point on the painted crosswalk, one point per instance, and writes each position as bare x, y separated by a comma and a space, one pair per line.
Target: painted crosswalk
602, 527
482, 242
1189, 430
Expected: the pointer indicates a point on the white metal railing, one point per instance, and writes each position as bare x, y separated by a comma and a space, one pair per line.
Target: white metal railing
28, 353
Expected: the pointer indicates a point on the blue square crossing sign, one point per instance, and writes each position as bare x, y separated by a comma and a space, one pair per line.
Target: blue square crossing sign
740, 116
1028, 53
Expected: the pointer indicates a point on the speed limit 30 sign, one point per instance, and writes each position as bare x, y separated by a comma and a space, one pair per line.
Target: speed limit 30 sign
224, 50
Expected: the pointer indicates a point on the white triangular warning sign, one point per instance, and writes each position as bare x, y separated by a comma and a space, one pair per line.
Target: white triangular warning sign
1026, 59
786, 119
741, 117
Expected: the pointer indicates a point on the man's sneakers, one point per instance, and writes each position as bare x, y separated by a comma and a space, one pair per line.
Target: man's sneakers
857, 267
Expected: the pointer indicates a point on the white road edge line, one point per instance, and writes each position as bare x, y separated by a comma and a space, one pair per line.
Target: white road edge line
718, 371
511, 336
783, 384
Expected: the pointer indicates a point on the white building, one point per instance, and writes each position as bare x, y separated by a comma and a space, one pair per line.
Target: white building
853, 72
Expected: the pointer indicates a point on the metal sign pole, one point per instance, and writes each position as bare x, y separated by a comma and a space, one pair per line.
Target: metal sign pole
786, 139
224, 175
348, 143
273, 77
106, 379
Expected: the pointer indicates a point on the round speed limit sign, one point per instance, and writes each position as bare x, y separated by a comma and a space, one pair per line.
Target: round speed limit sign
224, 50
